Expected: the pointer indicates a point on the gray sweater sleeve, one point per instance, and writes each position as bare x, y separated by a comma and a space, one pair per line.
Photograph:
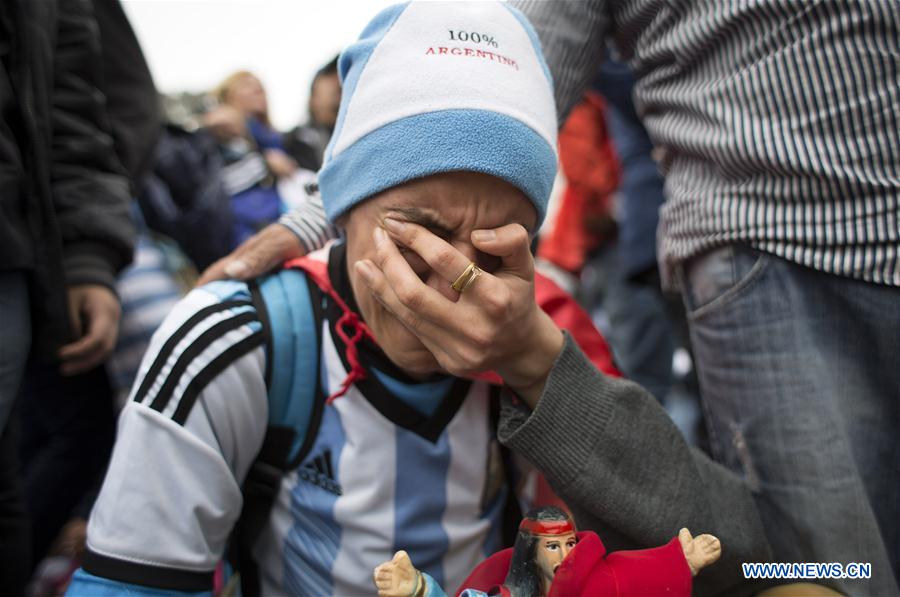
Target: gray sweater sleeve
610, 451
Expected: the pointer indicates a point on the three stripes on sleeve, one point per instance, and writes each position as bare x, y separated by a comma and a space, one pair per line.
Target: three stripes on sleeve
197, 343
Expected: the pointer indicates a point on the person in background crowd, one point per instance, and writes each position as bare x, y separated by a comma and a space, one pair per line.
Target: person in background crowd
778, 123
307, 143
66, 229
184, 198
588, 161
639, 322
644, 325
68, 422
243, 112
254, 156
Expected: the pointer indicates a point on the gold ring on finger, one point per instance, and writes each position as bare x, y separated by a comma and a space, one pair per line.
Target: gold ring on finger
466, 278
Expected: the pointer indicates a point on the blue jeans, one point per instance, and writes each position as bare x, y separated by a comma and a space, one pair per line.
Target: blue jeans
640, 332
801, 389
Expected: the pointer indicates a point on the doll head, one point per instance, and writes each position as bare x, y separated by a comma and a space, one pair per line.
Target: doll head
546, 536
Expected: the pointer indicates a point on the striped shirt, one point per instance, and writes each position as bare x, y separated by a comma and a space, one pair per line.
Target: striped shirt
307, 220
778, 120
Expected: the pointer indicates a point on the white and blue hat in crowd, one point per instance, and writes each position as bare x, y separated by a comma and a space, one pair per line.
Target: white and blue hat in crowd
434, 87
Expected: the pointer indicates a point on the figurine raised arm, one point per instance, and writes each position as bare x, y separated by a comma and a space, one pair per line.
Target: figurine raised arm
551, 558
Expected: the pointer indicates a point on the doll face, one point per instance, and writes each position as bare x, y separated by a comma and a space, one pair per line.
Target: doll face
550, 552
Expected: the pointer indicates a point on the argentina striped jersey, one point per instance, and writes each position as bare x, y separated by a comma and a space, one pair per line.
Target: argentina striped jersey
394, 464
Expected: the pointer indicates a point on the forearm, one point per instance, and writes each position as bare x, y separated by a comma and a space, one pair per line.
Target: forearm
611, 452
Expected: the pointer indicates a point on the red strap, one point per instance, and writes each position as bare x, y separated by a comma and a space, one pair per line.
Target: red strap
317, 271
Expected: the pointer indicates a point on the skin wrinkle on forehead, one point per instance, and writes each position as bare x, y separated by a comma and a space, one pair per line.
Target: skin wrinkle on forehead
431, 219
425, 217
435, 219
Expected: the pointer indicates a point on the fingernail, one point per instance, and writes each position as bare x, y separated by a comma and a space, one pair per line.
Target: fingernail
484, 235
236, 269
394, 226
380, 236
365, 270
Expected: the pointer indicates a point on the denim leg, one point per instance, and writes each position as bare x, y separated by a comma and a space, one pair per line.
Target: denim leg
640, 333
801, 391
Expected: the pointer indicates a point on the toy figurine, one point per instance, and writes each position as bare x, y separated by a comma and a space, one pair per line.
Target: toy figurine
551, 559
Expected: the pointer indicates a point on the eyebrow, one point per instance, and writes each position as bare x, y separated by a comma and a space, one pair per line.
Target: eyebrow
426, 219
431, 220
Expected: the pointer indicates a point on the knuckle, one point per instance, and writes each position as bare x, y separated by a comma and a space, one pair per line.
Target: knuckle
381, 257
480, 342
412, 234
519, 234
444, 259
412, 321
411, 297
498, 303
495, 303
471, 359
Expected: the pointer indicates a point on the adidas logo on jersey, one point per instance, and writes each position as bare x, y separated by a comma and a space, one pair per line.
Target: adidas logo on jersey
318, 471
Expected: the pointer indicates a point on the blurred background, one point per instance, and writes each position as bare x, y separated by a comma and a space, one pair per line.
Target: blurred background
192, 45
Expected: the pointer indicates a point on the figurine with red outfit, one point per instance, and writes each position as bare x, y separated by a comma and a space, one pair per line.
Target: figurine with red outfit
550, 558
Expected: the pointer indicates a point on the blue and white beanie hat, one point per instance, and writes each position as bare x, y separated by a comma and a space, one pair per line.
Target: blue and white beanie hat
435, 87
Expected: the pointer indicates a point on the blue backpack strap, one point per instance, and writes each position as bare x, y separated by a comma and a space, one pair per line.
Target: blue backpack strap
284, 306
292, 360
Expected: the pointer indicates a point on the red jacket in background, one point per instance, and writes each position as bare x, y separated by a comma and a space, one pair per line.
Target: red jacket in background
589, 163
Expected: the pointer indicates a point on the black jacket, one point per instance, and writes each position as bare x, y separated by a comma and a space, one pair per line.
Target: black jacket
64, 196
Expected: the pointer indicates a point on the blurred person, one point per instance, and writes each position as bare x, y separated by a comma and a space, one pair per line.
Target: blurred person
66, 230
307, 143
68, 421
644, 325
203, 384
243, 112
777, 123
184, 197
640, 325
588, 161
253, 153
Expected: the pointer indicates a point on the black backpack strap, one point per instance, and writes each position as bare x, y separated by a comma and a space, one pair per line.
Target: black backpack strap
260, 491
512, 511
